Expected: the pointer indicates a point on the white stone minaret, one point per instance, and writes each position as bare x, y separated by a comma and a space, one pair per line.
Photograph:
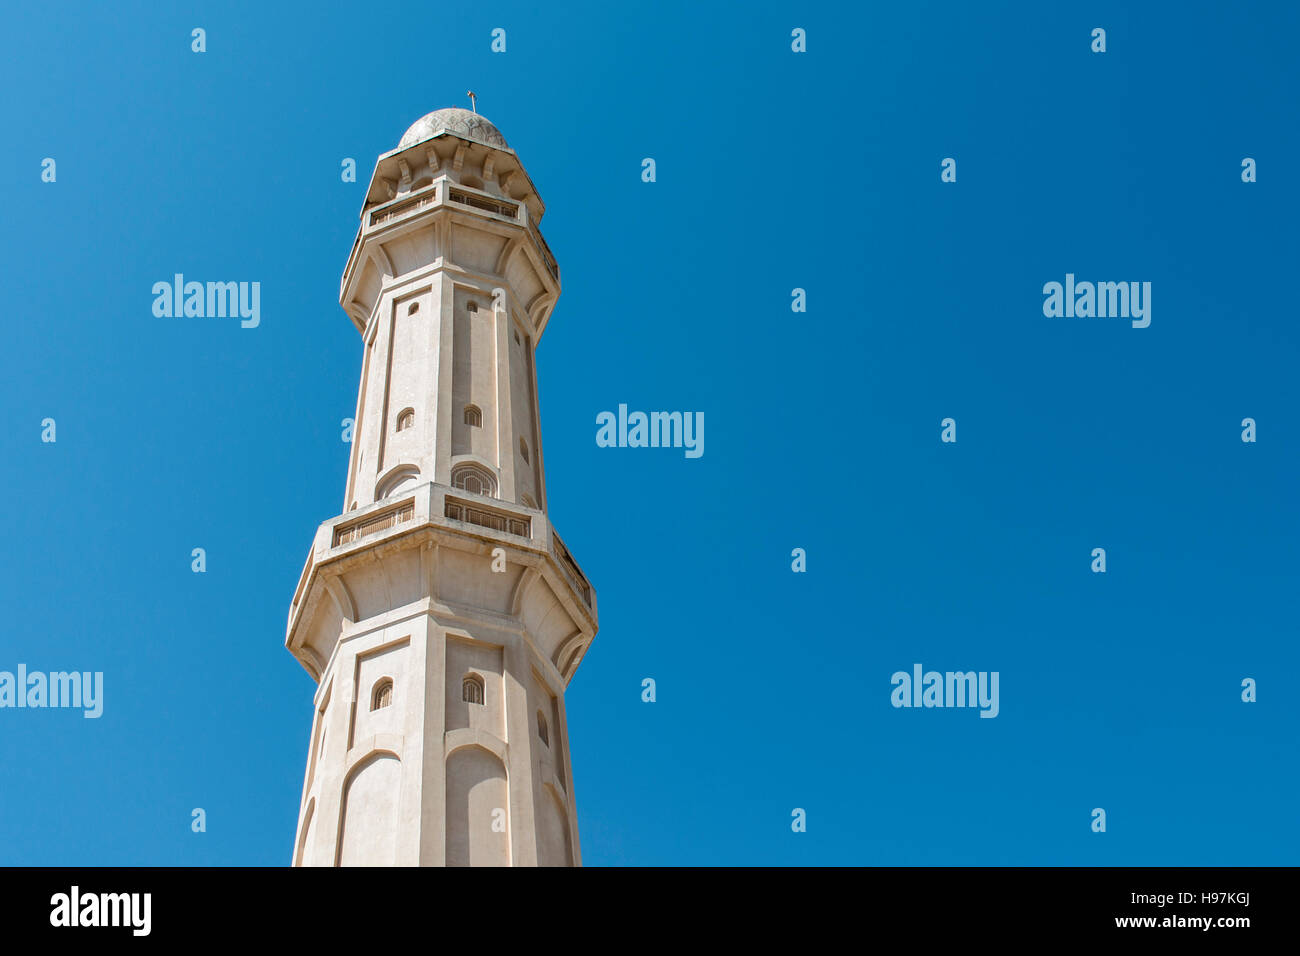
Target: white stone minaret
440, 614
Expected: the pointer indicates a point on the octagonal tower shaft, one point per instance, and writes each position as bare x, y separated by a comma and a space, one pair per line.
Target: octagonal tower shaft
441, 615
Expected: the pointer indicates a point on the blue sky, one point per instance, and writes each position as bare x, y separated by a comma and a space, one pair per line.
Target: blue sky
775, 170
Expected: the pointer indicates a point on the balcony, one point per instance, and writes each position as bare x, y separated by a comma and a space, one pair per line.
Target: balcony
443, 192
429, 510
431, 195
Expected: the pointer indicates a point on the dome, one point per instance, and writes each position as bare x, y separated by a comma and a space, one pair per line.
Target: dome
454, 120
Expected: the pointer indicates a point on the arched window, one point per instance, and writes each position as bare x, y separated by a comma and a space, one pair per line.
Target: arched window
413, 308
541, 729
472, 306
382, 695
523, 450
471, 689
473, 416
474, 479
405, 419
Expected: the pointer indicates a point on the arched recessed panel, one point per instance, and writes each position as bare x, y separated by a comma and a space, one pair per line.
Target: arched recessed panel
553, 846
397, 481
478, 828
368, 834
306, 843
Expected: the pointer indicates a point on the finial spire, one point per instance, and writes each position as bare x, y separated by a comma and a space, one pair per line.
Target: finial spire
473, 100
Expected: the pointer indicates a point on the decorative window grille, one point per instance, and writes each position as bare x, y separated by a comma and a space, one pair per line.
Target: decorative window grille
476, 480
471, 689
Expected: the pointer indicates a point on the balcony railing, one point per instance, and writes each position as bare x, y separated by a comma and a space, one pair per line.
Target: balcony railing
544, 251
486, 517
571, 569
500, 207
347, 533
393, 210
462, 196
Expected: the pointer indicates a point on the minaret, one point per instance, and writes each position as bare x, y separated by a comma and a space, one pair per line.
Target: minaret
440, 614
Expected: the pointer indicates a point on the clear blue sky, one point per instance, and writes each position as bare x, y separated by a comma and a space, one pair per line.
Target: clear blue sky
775, 170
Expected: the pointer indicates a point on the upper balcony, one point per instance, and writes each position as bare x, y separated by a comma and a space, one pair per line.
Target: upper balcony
390, 218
